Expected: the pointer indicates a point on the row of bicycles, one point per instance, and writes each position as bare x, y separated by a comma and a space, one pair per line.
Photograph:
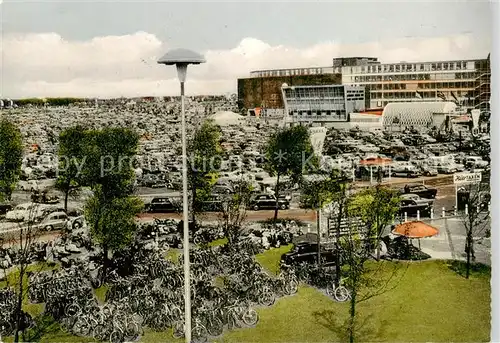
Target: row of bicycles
145, 290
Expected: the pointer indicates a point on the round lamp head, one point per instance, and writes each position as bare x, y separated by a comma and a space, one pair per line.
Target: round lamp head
181, 56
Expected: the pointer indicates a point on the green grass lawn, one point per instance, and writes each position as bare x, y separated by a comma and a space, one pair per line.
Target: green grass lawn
432, 302
221, 241
12, 280
270, 259
100, 293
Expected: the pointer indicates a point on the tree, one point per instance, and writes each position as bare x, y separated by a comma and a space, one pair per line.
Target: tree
475, 219
377, 207
110, 158
112, 221
71, 160
233, 212
289, 153
363, 279
320, 189
109, 171
11, 154
203, 163
25, 237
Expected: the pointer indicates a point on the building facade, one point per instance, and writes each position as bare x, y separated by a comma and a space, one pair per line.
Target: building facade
329, 103
464, 82
263, 88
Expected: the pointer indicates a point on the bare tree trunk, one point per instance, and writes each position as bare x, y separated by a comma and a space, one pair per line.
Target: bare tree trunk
66, 196
19, 305
319, 236
468, 251
276, 194
193, 207
352, 317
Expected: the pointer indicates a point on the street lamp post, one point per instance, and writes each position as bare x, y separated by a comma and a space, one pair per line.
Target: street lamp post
181, 58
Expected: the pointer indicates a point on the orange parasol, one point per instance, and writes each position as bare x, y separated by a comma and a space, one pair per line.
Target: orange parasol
415, 229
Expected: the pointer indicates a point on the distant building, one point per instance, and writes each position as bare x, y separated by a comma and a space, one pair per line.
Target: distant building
263, 88
464, 82
325, 104
398, 116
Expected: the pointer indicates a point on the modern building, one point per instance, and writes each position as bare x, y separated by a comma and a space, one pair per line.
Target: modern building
403, 115
263, 88
464, 82
329, 103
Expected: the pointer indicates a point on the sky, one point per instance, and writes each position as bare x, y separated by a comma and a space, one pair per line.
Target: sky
109, 48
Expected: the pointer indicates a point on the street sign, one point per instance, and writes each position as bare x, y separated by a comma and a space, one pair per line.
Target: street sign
461, 178
346, 228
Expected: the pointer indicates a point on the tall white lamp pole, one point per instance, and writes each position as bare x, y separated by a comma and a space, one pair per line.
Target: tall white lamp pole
181, 58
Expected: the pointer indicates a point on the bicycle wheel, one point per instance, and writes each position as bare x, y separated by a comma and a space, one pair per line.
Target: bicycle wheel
99, 332
199, 333
341, 294
116, 337
178, 331
330, 289
71, 310
132, 331
215, 327
292, 287
250, 317
267, 298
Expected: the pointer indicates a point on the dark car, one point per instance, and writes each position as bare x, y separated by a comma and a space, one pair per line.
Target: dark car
421, 190
4, 208
268, 201
410, 207
308, 252
162, 205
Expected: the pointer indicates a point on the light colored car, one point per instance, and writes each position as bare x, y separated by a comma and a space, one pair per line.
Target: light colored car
416, 198
54, 221
476, 162
21, 212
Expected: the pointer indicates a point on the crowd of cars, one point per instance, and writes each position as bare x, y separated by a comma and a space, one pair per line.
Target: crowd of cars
366, 155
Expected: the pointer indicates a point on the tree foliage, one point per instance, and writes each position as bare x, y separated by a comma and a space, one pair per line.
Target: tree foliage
112, 221
319, 190
72, 157
377, 207
204, 159
110, 154
289, 153
234, 208
108, 170
11, 154
476, 220
363, 278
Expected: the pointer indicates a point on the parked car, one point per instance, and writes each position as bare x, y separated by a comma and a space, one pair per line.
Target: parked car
421, 190
222, 189
20, 212
161, 205
306, 252
54, 221
476, 162
268, 201
410, 207
404, 171
416, 198
446, 168
429, 171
